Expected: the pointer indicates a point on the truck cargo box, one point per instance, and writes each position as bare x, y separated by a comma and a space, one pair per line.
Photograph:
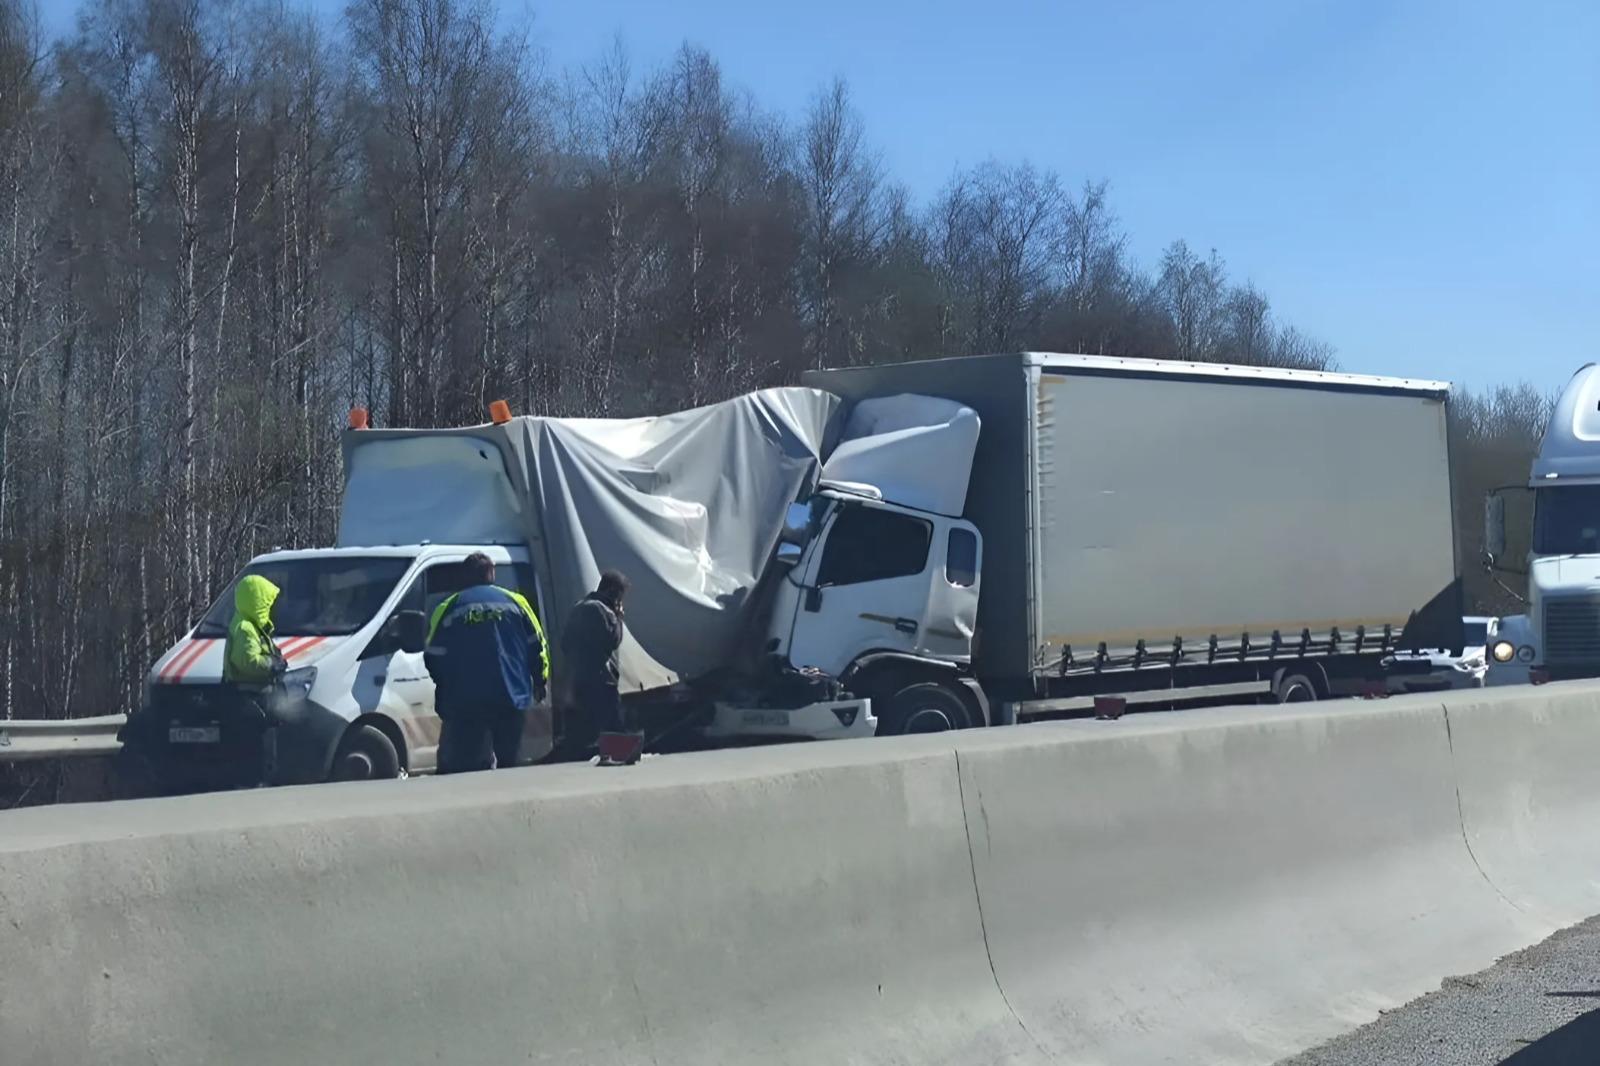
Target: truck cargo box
1137, 508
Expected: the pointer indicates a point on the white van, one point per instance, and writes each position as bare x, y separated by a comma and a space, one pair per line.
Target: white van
356, 702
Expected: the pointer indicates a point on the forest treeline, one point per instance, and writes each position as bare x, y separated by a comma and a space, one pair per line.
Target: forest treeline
223, 224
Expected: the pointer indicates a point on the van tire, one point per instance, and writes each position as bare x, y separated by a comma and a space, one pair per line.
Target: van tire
366, 754
926, 707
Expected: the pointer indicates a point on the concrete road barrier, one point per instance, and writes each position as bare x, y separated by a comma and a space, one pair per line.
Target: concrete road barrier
739, 907
1206, 886
1529, 765
1231, 891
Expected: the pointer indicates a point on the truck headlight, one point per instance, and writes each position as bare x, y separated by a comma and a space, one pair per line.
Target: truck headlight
1525, 653
1504, 651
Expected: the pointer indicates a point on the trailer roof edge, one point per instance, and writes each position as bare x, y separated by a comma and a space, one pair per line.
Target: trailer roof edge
1176, 368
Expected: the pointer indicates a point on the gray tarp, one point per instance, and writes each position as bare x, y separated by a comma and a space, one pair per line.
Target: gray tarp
688, 505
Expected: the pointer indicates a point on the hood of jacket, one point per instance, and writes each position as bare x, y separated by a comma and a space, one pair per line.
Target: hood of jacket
253, 601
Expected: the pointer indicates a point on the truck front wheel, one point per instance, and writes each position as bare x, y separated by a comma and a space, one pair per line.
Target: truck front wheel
927, 707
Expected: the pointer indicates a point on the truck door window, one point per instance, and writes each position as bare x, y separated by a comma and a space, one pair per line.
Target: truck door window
961, 558
867, 544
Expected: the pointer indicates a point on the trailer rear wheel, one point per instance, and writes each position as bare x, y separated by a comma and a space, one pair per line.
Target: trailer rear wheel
1293, 686
366, 754
927, 707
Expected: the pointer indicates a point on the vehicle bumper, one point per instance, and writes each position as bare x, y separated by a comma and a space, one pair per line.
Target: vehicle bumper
200, 737
1438, 681
830, 720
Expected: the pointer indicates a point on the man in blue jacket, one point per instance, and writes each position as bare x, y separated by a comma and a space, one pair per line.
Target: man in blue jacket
486, 652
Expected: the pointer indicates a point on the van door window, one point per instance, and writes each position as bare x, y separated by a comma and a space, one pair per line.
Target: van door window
429, 588
443, 580
867, 544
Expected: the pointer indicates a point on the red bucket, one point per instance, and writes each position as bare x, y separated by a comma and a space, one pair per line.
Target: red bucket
620, 749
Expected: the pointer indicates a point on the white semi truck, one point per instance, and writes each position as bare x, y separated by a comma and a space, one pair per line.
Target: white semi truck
1559, 636
905, 548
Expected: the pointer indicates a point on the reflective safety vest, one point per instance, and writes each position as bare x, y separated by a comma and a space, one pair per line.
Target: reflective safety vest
486, 651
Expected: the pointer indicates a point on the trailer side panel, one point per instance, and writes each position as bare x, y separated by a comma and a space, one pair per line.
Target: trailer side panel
1192, 506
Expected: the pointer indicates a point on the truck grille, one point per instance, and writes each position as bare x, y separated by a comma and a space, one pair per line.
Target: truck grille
1572, 630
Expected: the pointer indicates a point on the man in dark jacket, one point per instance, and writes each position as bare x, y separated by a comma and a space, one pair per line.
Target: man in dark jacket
589, 643
486, 653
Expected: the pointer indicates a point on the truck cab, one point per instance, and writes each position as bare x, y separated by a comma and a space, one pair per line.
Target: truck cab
885, 597
1559, 636
356, 701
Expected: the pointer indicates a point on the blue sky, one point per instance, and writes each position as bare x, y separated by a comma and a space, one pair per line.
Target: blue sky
1417, 183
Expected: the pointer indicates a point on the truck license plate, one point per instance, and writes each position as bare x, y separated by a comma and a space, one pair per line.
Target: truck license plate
766, 718
199, 734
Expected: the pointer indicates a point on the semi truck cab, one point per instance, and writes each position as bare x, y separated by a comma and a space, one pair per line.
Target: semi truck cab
1559, 636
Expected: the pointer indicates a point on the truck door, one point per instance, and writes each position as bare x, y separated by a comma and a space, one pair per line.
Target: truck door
865, 590
952, 615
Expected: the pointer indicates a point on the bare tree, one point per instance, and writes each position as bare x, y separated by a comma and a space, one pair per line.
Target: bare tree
1194, 292
839, 181
1249, 331
188, 68
998, 236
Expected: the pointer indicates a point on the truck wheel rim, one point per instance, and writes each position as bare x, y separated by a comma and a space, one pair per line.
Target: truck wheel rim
928, 720
1298, 692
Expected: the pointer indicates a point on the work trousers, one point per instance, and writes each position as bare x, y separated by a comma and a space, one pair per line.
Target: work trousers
475, 739
595, 709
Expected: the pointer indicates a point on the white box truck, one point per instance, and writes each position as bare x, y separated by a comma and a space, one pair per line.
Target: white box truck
902, 548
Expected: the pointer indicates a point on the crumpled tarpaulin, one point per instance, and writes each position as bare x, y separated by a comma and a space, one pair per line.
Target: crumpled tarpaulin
688, 505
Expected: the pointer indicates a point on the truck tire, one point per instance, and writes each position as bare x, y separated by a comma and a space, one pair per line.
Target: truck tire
926, 707
1294, 686
366, 754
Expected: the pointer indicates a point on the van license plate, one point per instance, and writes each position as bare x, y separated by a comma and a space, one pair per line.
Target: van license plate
200, 734
766, 718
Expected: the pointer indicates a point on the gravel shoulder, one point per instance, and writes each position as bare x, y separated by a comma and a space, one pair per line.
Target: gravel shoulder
1538, 1007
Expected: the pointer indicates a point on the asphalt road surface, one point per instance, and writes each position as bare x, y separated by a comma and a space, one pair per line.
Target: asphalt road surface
1539, 1007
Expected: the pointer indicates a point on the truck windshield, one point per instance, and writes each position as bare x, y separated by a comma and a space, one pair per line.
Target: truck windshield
322, 597
1566, 520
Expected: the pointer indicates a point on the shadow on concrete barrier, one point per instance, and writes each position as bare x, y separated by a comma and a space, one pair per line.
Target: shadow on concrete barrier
1208, 886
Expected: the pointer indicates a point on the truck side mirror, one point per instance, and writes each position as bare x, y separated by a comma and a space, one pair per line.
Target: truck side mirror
789, 554
1507, 531
1494, 526
410, 631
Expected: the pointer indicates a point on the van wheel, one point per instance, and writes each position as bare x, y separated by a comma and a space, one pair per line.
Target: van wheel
366, 754
1293, 687
928, 707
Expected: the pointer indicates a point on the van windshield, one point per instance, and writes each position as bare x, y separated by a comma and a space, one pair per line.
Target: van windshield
318, 597
1566, 520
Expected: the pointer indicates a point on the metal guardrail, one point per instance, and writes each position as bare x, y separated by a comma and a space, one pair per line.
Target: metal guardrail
22, 740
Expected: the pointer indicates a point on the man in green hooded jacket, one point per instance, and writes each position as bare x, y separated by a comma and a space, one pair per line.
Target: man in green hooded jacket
250, 657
